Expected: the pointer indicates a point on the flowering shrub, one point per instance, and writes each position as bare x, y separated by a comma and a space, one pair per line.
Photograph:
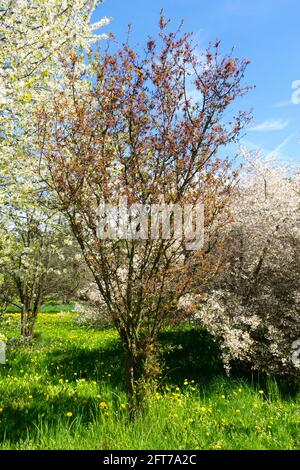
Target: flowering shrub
92, 312
254, 308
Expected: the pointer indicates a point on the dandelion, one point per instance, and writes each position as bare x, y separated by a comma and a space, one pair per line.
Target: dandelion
1, 410
123, 405
223, 397
69, 414
186, 382
237, 411
30, 397
106, 413
103, 405
261, 392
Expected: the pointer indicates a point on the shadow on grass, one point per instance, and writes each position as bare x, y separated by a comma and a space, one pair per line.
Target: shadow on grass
190, 354
93, 365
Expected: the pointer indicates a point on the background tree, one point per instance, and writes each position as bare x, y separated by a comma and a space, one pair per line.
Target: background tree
35, 260
33, 34
136, 133
254, 309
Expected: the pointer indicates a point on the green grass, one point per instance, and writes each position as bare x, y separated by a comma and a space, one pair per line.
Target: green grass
65, 391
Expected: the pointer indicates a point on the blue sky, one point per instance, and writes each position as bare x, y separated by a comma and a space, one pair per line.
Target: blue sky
267, 32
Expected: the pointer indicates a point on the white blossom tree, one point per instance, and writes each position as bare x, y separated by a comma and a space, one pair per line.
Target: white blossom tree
255, 308
34, 36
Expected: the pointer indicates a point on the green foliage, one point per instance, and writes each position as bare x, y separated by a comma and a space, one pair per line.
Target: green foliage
64, 390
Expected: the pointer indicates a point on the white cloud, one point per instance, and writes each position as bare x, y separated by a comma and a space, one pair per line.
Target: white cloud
283, 104
270, 126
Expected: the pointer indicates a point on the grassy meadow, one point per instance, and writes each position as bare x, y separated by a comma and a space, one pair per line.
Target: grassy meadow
65, 391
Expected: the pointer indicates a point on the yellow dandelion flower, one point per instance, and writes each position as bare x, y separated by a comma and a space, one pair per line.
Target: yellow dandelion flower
223, 396
30, 397
103, 405
1, 410
237, 411
123, 405
261, 392
69, 414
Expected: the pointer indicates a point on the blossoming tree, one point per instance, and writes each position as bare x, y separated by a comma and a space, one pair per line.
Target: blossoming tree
137, 133
33, 35
254, 309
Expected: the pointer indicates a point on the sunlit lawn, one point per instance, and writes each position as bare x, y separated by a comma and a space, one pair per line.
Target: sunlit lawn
65, 391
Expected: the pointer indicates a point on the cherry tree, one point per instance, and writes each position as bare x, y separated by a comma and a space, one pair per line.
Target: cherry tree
137, 134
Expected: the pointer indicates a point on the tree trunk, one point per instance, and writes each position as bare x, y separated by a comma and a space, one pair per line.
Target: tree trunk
28, 318
141, 370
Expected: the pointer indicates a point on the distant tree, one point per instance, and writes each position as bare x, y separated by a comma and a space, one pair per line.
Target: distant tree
36, 260
137, 133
